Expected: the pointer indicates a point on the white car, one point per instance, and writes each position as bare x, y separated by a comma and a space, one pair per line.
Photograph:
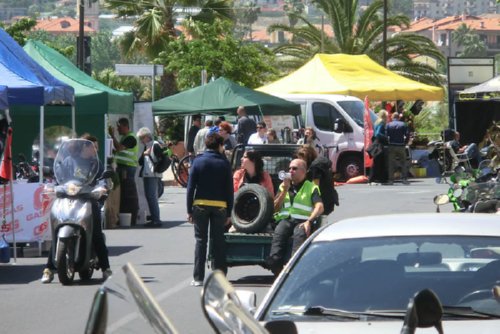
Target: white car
358, 275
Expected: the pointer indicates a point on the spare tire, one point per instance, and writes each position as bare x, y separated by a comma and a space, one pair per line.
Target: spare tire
253, 208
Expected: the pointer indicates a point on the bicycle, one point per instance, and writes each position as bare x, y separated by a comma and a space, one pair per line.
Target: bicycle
180, 169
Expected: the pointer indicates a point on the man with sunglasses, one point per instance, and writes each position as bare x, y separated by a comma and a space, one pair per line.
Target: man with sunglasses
297, 205
259, 137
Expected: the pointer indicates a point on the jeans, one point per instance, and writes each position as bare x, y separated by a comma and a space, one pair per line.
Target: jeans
126, 172
472, 152
279, 245
395, 152
205, 217
151, 193
97, 241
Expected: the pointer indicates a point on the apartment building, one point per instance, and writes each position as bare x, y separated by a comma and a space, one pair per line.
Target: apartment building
440, 31
437, 9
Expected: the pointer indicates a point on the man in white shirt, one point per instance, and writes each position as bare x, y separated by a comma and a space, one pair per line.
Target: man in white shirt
199, 140
259, 137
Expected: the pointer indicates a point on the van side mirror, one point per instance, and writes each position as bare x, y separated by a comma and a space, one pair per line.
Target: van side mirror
341, 126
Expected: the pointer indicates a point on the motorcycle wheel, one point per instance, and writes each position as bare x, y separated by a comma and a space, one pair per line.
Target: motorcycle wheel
65, 261
86, 275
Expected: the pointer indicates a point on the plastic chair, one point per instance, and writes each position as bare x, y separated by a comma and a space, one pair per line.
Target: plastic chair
458, 158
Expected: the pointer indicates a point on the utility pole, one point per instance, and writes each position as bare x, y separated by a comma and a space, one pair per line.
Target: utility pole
384, 34
79, 61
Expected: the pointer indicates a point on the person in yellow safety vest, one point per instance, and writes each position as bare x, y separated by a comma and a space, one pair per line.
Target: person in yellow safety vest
126, 151
297, 205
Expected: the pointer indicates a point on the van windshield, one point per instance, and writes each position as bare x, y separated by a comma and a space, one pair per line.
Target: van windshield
355, 109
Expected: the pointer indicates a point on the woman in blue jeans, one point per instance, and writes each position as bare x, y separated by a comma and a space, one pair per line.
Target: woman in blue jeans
151, 179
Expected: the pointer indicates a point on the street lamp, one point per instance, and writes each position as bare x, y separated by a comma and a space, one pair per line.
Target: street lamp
80, 58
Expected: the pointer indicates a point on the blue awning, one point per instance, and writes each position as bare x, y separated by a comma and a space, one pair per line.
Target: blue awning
28, 83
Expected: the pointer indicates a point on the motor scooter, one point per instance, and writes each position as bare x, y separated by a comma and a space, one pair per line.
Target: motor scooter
71, 216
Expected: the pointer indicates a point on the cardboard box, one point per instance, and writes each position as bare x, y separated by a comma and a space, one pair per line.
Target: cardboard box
418, 171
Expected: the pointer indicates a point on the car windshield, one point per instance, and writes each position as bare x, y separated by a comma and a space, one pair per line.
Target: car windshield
356, 110
383, 273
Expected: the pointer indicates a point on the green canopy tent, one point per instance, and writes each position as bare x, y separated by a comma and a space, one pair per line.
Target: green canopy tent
93, 100
223, 96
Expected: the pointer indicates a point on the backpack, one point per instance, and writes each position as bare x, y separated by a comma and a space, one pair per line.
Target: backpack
164, 160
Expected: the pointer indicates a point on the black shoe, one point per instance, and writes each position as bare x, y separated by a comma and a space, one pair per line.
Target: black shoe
152, 224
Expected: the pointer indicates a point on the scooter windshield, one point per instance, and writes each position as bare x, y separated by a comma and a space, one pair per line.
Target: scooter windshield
77, 161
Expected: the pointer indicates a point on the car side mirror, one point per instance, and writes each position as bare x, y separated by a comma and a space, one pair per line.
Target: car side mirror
424, 310
223, 308
339, 125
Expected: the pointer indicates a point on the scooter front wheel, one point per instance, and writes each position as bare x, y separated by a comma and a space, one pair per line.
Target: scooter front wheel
66, 261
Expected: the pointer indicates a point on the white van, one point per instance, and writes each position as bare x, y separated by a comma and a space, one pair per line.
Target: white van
338, 122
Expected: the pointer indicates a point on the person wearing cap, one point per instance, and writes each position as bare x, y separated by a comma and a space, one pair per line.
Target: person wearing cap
126, 151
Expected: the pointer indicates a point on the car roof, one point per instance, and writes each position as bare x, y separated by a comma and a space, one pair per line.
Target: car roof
412, 224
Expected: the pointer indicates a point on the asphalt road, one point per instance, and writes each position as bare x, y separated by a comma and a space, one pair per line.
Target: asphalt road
163, 258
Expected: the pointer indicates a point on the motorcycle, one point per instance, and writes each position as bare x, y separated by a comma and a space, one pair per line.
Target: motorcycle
476, 191
75, 169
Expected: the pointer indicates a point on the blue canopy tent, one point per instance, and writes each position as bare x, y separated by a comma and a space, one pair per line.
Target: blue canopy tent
30, 84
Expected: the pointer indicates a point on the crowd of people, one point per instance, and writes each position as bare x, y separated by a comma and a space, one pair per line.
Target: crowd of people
306, 194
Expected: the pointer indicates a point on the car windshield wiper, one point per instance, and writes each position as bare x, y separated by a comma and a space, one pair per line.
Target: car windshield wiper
467, 312
315, 311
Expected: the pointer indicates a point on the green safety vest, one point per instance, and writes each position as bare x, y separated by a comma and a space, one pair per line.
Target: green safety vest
302, 204
127, 157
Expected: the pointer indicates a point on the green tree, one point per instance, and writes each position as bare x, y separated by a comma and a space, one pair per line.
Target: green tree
124, 83
105, 53
404, 7
20, 29
216, 50
361, 33
247, 15
293, 8
467, 38
154, 27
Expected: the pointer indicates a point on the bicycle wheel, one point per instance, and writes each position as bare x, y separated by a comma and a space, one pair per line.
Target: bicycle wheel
174, 166
183, 171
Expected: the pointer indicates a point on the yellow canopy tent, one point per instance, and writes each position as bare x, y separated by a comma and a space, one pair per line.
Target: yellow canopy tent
355, 75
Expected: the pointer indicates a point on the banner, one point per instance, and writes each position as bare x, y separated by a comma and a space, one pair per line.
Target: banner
31, 212
368, 127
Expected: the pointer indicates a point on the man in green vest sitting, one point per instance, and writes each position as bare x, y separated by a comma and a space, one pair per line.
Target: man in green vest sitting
297, 205
126, 165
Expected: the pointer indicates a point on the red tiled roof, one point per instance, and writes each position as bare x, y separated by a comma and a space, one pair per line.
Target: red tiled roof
453, 22
61, 25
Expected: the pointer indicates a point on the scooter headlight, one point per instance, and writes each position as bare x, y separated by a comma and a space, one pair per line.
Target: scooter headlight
72, 189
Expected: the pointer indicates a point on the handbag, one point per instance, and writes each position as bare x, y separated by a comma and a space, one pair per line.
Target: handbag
375, 149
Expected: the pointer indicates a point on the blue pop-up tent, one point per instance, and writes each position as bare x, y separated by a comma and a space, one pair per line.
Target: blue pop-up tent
29, 84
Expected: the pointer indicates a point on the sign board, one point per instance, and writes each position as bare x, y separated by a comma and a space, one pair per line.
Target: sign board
133, 69
470, 71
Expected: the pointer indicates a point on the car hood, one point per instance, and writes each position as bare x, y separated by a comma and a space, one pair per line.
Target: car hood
394, 327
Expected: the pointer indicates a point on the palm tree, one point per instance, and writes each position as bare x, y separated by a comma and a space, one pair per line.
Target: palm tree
154, 27
360, 33
472, 44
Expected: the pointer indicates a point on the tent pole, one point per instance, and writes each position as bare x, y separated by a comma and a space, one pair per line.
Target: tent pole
73, 124
9, 120
41, 145
12, 217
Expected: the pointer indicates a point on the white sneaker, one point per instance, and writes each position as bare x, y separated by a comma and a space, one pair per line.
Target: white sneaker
48, 276
196, 283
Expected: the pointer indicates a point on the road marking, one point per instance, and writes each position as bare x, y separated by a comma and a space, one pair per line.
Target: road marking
132, 316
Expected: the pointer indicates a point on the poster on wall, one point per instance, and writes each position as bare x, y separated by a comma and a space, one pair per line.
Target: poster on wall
31, 213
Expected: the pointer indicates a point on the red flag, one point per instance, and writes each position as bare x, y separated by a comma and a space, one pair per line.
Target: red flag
368, 127
6, 166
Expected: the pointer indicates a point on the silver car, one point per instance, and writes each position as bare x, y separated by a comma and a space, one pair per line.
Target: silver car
358, 275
